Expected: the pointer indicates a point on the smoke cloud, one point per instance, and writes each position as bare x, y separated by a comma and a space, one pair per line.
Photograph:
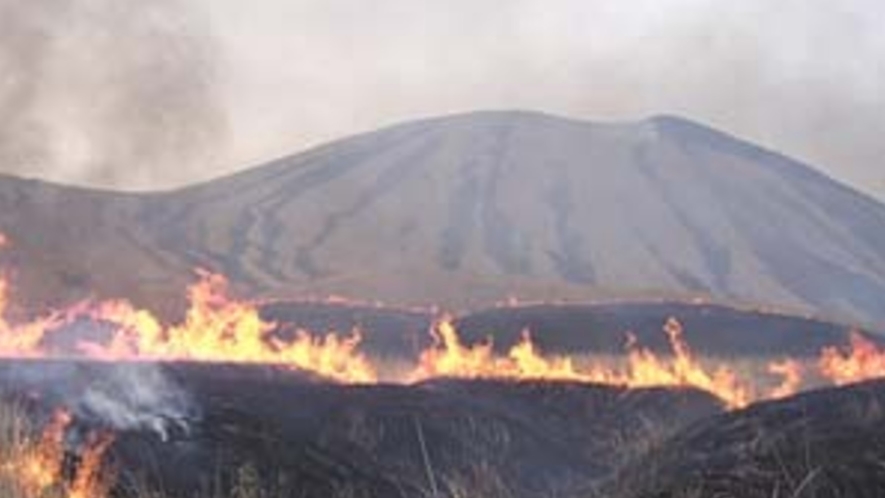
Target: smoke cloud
803, 77
138, 397
120, 396
129, 93
108, 93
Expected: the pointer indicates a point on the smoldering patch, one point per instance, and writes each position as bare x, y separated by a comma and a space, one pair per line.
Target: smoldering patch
125, 397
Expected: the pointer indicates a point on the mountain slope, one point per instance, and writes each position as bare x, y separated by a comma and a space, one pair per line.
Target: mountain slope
469, 209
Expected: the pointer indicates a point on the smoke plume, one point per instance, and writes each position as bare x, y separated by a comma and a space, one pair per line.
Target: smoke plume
101, 90
802, 77
120, 396
138, 397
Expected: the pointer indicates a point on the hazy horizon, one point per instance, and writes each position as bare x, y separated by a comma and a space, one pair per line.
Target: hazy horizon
177, 91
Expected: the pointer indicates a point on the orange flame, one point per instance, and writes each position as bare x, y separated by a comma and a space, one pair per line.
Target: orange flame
215, 329
37, 467
863, 360
219, 329
450, 357
92, 479
791, 373
682, 369
41, 467
21, 340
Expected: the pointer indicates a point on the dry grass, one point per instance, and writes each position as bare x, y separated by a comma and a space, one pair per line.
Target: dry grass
19, 440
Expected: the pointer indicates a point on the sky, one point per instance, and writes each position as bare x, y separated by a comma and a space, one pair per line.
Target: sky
167, 92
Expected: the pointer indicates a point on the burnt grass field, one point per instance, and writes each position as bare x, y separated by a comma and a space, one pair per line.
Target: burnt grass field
305, 437
208, 430
826, 443
298, 436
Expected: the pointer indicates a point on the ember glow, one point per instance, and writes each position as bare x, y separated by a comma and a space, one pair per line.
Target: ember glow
41, 465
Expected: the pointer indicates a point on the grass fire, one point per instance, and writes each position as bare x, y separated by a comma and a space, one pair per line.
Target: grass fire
220, 329
486, 249
61, 459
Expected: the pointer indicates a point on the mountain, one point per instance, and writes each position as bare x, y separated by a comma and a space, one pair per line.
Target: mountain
467, 210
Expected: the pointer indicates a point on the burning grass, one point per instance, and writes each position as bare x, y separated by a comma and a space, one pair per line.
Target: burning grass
353, 434
44, 464
50, 460
639, 367
324, 438
215, 329
220, 329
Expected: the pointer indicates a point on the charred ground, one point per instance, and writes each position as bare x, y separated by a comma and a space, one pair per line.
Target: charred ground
823, 444
295, 435
305, 437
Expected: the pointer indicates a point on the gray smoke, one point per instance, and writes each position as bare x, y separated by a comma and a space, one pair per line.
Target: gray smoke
805, 78
99, 91
137, 397
127, 93
120, 396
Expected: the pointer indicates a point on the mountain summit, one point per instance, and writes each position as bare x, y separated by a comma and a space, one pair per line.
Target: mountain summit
470, 209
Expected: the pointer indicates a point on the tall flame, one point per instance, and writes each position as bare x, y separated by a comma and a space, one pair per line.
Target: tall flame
448, 356
215, 329
681, 369
36, 467
218, 329
92, 479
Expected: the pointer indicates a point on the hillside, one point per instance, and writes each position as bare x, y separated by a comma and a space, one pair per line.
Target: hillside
468, 210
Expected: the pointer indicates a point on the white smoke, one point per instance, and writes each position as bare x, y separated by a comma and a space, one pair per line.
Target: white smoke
125, 397
138, 397
106, 92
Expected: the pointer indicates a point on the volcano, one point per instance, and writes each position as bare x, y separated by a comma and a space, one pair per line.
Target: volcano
468, 210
